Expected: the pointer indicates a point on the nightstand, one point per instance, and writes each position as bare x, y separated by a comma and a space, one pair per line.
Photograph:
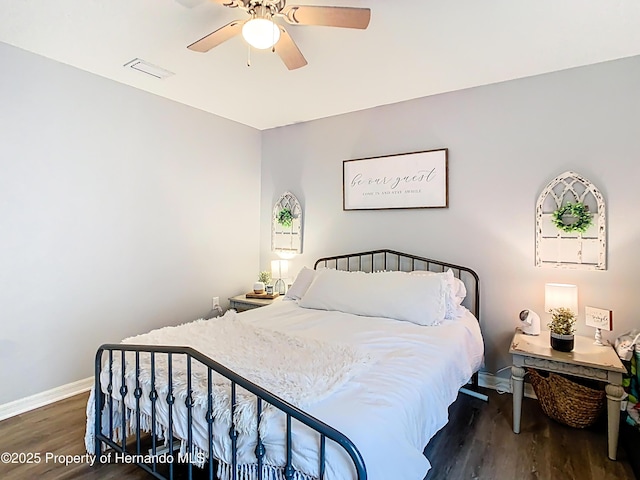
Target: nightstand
586, 360
240, 303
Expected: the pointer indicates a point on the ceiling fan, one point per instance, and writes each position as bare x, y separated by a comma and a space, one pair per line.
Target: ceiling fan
261, 32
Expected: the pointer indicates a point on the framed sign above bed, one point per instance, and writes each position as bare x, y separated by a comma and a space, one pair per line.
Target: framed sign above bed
404, 180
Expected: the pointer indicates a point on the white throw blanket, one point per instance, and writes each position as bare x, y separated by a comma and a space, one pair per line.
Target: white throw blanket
301, 371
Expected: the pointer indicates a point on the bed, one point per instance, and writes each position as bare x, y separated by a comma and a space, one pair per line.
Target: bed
358, 385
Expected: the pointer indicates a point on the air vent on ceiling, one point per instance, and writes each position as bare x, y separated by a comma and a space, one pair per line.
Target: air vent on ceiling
145, 67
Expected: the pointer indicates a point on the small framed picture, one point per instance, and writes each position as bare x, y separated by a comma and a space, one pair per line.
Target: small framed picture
599, 318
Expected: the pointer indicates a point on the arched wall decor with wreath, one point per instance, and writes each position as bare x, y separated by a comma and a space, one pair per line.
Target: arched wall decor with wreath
286, 225
571, 224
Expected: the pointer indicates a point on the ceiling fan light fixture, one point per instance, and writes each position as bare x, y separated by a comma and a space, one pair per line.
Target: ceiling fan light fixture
261, 33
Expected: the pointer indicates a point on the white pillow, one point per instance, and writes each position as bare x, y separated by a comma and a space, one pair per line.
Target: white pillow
300, 284
455, 292
419, 299
458, 289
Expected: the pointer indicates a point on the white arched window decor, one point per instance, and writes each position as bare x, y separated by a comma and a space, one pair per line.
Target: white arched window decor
556, 248
286, 225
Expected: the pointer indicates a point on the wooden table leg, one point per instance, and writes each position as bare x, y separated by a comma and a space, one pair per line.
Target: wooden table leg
517, 377
614, 397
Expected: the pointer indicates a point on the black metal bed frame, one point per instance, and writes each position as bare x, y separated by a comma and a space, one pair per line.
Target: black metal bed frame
325, 431
144, 445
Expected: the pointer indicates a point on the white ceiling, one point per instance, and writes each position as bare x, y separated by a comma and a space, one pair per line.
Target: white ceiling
411, 49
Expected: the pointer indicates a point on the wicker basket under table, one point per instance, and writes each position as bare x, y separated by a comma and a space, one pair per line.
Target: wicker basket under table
566, 401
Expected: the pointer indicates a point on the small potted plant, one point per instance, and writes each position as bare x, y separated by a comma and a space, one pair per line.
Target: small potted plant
264, 278
562, 327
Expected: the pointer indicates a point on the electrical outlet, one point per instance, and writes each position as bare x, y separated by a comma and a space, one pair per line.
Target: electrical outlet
215, 302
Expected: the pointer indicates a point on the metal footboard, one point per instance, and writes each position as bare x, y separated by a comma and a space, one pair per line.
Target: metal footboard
147, 446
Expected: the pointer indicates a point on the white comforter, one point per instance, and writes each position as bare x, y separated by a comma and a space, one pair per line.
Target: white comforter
393, 409
390, 410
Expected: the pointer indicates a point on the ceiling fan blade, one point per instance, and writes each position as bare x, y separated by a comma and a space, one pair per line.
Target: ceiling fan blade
345, 17
288, 51
214, 39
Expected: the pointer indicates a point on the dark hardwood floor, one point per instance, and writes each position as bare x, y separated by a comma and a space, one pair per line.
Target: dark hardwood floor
477, 443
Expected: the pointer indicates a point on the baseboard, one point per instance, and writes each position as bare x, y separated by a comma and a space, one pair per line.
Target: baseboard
38, 400
502, 385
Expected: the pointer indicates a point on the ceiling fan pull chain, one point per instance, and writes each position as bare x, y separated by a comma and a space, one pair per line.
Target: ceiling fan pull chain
273, 47
248, 55
273, 36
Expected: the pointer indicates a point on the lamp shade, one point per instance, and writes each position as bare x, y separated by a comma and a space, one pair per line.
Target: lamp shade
279, 268
261, 33
560, 295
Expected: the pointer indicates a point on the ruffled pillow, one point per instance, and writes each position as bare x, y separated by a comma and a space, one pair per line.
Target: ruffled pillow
455, 294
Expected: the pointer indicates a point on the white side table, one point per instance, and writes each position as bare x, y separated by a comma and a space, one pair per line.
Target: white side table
586, 360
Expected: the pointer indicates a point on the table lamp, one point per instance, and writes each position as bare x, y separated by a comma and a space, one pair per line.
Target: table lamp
280, 271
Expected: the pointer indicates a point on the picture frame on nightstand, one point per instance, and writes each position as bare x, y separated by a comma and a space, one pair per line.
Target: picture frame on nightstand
598, 318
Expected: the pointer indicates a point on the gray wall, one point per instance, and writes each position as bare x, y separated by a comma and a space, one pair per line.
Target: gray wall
506, 142
120, 212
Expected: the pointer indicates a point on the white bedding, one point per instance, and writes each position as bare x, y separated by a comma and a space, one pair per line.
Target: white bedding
390, 410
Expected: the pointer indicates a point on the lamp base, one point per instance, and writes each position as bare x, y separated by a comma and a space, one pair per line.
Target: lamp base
280, 286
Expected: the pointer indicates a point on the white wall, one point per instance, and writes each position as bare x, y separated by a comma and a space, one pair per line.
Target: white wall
506, 142
120, 212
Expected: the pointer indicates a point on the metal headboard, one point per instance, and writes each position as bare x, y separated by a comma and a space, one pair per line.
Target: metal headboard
378, 260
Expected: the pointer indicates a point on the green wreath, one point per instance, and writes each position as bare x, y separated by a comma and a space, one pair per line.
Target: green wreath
577, 210
285, 217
